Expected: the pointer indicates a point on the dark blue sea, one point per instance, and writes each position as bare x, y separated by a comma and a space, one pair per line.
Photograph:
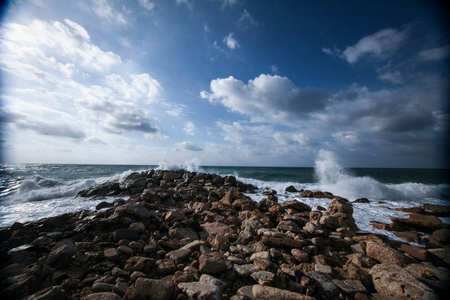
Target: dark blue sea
32, 191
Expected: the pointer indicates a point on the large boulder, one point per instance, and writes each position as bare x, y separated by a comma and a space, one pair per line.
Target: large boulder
342, 209
391, 280
61, 254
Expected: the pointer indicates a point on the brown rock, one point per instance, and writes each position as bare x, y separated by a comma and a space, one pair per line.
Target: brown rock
139, 263
417, 253
282, 242
166, 266
414, 210
442, 236
391, 280
385, 254
437, 210
261, 292
408, 236
200, 290
295, 205
350, 286
300, 255
155, 289
111, 254
212, 263
103, 296
422, 222
216, 228
343, 211
435, 277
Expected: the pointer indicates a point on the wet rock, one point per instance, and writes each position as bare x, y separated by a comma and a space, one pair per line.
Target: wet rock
155, 289
413, 237
442, 236
49, 293
385, 254
291, 189
361, 200
391, 280
437, 210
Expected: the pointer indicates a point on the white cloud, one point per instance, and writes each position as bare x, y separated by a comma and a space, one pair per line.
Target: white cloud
246, 16
105, 10
149, 6
231, 42
187, 146
267, 98
438, 53
348, 138
190, 129
274, 69
379, 45
70, 43
206, 28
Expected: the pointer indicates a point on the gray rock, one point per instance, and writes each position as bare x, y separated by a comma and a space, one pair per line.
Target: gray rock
325, 288
212, 263
263, 277
126, 234
62, 252
245, 270
261, 292
103, 296
385, 254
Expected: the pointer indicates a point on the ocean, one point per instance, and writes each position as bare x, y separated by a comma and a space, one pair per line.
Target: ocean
30, 192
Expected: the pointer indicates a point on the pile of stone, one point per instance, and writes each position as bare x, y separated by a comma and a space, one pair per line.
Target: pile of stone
187, 235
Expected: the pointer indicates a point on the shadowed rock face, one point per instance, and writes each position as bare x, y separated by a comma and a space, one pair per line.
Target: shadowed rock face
185, 235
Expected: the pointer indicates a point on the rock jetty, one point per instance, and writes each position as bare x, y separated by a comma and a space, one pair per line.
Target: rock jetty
187, 235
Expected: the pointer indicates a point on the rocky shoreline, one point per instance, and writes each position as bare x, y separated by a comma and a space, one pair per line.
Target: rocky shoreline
187, 235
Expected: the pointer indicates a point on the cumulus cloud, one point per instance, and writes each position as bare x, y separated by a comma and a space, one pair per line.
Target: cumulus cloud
379, 45
60, 42
190, 129
142, 86
231, 42
438, 53
267, 98
187, 146
348, 138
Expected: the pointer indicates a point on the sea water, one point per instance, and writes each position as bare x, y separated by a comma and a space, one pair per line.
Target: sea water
30, 192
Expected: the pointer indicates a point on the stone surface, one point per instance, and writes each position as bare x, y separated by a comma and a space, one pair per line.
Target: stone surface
62, 252
421, 222
350, 286
155, 289
391, 280
212, 263
435, 277
385, 254
269, 293
263, 277
103, 296
200, 290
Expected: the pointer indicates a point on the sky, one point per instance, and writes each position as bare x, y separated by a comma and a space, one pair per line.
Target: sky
225, 82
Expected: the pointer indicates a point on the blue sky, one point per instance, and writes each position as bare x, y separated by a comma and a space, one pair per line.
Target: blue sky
224, 82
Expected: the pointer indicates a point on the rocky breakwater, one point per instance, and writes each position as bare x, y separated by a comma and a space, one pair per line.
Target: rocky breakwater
183, 235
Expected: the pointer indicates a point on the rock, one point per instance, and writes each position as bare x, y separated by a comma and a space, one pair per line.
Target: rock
174, 216
329, 222
261, 292
139, 263
421, 222
288, 225
437, 210
361, 200
413, 237
104, 204
200, 290
385, 254
216, 228
300, 255
205, 278
291, 189
100, 287
391, 280
441, 254
125, 250
260, 255
435, 277
166, 266
155, 289
295, 205
343, 211
179, 255
272, 241
323, 269
103, 296
245, 270
350, 286
62, 253
125, 234
442, 236
111, 254
415, 252
325, 288
171, 176
53, 292
414, 210
212, 263
263, 277
183, 233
